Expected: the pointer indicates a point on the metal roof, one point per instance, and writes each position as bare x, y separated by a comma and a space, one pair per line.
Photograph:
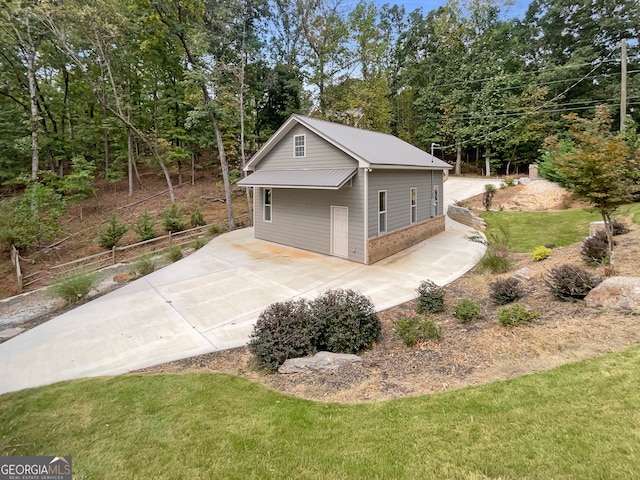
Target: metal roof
371, 149
322, 179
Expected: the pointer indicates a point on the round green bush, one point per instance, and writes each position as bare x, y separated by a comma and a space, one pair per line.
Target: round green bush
283, 331
430, 298
516, 314
345, 321
540, 253
466, 311
413, 329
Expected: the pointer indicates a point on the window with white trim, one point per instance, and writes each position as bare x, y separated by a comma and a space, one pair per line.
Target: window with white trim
299, 146
414, 204
382, 211
267, 204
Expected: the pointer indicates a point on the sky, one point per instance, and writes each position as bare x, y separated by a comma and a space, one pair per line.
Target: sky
519, 8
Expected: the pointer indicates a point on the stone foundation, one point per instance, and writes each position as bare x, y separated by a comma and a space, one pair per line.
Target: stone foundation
390, 243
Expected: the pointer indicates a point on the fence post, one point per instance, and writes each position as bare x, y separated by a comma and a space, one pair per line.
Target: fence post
113, 255
169, 237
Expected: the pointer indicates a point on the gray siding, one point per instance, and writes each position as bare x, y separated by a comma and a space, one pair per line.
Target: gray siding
398, 184
302, 217
319, 154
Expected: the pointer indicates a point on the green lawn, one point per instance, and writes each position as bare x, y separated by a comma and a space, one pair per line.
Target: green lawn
528, 230
579, 421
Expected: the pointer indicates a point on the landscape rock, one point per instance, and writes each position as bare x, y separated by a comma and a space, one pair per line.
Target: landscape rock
524, 181
320, 361
524, 274
617, 293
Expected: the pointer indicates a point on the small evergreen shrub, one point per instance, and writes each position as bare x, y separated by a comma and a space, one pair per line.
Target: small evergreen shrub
144, 227
430, 298
110, 236
595, 249
505, 290
540, 253
569, 282
172, 219
516, 314
74, 287
174, 253
466, 311
144, 266
345, 320
487, 196
283, 331
413, 329
197, 220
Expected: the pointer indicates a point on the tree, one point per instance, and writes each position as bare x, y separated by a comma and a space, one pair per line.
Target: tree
79, 183
601, 167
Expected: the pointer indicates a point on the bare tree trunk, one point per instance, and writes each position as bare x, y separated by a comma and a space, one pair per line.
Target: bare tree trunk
179, 173
225, 177
31, 73
487, 162
130, 159
458, 160
243, 158
193, 169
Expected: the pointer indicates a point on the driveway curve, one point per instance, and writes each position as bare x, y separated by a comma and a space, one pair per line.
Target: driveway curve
211, 299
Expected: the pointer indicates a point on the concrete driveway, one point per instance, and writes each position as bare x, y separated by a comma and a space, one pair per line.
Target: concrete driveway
210, 300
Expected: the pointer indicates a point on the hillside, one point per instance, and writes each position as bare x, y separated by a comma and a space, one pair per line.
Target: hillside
77, 238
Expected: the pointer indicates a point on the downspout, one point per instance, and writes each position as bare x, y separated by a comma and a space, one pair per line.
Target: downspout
365, 172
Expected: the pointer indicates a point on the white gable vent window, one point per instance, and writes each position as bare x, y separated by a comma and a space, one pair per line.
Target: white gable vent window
299, 147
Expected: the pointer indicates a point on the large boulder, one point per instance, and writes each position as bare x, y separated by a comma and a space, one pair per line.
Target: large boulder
320, 361
617, 293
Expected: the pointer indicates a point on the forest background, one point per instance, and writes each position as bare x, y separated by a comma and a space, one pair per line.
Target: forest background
97, 91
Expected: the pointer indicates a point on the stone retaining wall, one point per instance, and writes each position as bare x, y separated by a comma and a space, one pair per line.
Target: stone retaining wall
466, 217
384, 246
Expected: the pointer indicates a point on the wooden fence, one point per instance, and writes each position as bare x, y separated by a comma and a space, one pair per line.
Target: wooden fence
117, 254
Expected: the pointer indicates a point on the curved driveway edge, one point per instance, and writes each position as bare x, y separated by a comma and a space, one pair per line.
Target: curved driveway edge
211, 299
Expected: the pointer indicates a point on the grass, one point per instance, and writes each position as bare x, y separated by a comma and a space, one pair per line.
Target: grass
75, 286
528, 230
577, 421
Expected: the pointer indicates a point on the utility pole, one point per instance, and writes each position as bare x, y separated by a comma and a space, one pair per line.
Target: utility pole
623, 83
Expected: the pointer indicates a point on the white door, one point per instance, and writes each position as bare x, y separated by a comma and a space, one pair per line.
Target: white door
340, 231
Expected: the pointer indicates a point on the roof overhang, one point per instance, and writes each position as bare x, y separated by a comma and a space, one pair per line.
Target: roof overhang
410, 167
317, 179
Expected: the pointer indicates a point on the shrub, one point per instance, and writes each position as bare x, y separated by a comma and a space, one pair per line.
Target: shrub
144, 227
505, 290
198, 243
569, 282
215, 229
510, 182
619, 228
430, 298
173, 253
74, 287
496, 258
413, 329
110, 236
346, 321
283, 331
516, 314
540, 253
144, 266
197, 220
172, 219
487, 196
595, 249
466, 311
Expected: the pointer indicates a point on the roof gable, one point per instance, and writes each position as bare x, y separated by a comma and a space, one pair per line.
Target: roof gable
370, 149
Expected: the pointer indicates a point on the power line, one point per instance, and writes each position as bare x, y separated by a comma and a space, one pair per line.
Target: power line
535, 110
